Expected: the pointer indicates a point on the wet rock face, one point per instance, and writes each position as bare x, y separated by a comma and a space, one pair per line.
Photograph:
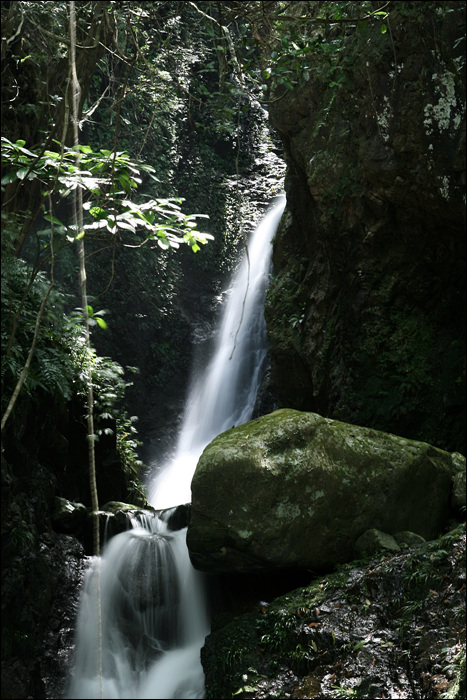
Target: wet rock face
366, 310
42, 589
42, 561
58, 645
389, 627
294, 489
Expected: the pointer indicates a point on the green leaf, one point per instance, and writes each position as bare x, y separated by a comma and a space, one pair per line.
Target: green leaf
127, 226
383, 29
20, 148
96, 212
21, 173
360, 644
100, 223
101, 322
9, 177
48, 217
52, 154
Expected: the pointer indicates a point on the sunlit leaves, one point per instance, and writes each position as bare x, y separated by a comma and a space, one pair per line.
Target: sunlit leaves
109, 210
91, 317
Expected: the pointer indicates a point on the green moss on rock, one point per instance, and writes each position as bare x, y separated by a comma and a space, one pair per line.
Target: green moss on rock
297, 489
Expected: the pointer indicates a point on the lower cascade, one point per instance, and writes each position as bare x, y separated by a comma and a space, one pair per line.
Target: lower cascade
148, 597
153, 618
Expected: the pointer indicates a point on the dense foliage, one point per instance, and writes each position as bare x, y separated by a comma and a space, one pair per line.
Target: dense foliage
184, 86
173, 124
146, 92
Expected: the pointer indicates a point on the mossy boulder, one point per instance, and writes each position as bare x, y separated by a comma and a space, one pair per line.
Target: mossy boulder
294, 489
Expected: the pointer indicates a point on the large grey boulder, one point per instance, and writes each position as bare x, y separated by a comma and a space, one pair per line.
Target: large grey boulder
296, 489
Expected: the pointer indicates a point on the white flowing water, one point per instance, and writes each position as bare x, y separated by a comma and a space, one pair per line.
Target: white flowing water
153, 618
152, 606
225, 393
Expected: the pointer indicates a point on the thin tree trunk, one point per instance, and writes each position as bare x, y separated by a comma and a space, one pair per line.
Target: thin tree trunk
78, 218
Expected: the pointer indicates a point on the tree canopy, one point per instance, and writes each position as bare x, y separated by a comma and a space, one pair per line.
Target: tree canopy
141, 68
165, 91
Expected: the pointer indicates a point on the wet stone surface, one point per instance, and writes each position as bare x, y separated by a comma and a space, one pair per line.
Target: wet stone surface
69, 565
387, 627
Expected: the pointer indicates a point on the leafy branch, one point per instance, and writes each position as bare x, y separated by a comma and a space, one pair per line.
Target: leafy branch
159, 221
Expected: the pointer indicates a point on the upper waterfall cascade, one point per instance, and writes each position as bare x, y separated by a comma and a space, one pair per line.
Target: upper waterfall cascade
148, 597
225, 393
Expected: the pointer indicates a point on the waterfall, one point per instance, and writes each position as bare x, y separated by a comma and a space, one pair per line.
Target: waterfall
225, 393
153, 618
152, 608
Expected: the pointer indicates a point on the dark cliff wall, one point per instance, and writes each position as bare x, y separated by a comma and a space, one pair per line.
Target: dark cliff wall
366, 310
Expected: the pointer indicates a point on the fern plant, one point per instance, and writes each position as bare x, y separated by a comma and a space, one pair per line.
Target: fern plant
52, 365
62, 362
